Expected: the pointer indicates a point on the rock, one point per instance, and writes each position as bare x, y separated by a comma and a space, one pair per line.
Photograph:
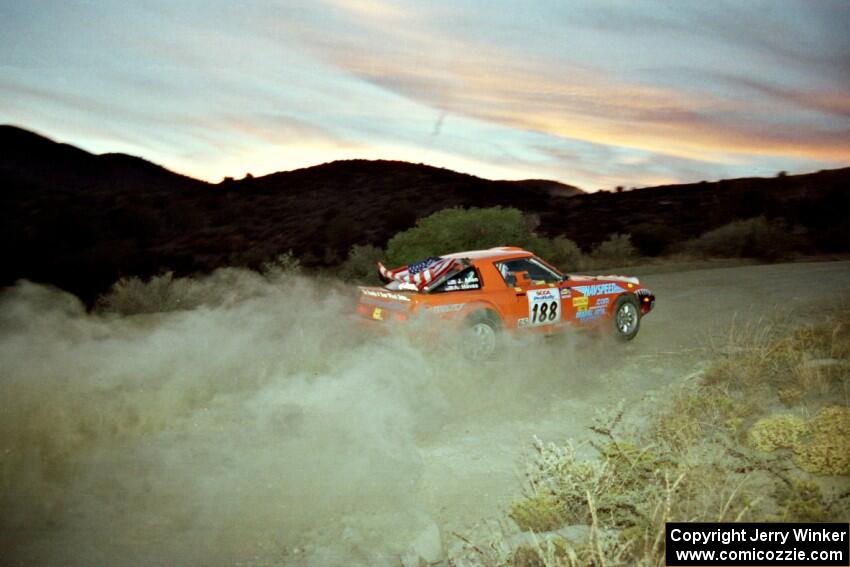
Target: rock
578, 533
411, 559
426, 547
429, 544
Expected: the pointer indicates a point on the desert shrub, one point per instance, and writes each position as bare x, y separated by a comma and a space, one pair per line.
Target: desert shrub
565, 254
163, 293
540, 245
133, 295
808, 362
698, 412
790, 395
653, 239
623, 497
617, 250
830, 338
826, 450
286, 263
801, 501
456, 229
539, 513
831, 238
696, 459
776, 432
824, 456
751, 238
821, 446
361, 264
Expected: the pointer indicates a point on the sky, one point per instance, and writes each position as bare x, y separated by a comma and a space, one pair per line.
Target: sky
592, 93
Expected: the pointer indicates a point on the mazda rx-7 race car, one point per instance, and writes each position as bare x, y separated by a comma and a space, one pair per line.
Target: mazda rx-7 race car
504, 289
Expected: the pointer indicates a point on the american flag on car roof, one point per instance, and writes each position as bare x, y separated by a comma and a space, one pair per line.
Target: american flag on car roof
419, 273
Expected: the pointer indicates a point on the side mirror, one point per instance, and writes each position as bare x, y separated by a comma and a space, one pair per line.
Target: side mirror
521, 279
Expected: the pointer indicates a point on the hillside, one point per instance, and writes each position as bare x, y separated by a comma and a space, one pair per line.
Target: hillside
80, 221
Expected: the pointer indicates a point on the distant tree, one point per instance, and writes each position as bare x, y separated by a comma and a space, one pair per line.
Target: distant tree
751, 238
782, 173
620, 188
653, 239
452, 230
361, 264
618, 249
565, 254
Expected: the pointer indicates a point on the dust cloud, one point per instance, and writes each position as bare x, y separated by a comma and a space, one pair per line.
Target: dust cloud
238, 419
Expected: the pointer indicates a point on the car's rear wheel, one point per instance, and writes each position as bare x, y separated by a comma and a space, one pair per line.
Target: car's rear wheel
626, 317
481, 334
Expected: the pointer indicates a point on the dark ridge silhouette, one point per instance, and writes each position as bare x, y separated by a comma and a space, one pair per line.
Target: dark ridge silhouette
80, 221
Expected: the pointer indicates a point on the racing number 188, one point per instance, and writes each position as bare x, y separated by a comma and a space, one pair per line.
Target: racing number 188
544, 312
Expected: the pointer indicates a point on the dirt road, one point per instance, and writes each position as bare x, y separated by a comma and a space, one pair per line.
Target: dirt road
471, 466
259, 428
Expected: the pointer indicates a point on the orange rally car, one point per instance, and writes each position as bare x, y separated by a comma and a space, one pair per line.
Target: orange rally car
510, 289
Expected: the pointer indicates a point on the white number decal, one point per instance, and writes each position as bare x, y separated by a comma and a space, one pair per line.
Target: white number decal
544, 306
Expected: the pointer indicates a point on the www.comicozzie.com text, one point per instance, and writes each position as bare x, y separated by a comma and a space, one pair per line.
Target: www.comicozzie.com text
726, 536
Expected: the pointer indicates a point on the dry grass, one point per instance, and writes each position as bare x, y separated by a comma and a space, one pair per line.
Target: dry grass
717, 451
806, 365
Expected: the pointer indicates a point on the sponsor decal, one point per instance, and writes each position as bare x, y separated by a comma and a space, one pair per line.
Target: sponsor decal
544, 307
580, 303
602, 301
470, 281
566, 293
598, 289
523, 322
450, 308
377, 315
544, 294
384, 294
590, 314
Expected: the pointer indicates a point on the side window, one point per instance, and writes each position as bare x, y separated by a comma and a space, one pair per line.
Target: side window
537, 272
462, 281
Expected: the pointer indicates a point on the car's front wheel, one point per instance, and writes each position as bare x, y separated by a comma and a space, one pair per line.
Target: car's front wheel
626, 317
481, 335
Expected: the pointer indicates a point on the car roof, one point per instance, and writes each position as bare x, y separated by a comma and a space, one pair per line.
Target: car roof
498, 253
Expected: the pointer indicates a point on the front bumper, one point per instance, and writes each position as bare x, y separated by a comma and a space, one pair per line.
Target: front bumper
646, 299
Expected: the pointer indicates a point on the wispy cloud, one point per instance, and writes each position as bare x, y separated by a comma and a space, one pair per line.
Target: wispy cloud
593, 94
488, 82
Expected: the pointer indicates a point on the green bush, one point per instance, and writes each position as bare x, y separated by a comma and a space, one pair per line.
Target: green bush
751, 238
456, 229
617, 250
653, 239
566, 254
360, 264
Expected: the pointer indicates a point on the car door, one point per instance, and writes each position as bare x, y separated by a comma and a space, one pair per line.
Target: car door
537, 302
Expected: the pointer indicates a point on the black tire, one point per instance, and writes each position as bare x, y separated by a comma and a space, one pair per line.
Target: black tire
626, 317
481, 334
